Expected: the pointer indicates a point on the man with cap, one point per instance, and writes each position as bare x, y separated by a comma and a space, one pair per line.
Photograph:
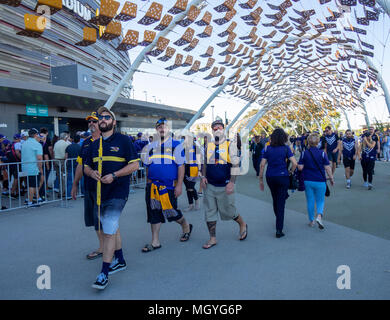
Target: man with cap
164, 161
32, 152
89, 187
218, 178
110, 161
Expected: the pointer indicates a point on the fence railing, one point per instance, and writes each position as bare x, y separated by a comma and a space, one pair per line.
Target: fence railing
30, 184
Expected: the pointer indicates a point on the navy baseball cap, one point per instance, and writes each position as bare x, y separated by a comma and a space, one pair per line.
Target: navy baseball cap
2, 136
17, 136
161, 121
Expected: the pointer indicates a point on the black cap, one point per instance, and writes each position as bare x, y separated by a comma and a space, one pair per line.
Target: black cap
218, 120
32, 132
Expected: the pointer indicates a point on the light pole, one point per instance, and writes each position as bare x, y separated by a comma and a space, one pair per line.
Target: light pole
146, 96
155, 101
212, 113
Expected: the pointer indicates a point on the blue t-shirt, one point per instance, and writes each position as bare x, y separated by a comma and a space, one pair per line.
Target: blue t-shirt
30, 150
163, 161
310, 169
276, 158
349, 148
118, 152
331, 142
139, 145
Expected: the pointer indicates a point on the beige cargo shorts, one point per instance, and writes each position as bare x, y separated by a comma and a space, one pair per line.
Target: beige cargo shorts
216, 201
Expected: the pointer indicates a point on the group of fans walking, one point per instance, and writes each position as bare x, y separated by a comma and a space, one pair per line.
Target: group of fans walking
106, 159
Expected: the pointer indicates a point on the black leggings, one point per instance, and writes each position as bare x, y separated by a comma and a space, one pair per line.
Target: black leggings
368, 169
191, 191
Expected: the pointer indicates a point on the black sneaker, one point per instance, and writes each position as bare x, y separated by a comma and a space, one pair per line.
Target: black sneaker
279, 234
115, 266
101, 281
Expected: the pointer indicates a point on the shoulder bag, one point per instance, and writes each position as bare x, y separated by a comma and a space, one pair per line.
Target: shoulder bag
327, 192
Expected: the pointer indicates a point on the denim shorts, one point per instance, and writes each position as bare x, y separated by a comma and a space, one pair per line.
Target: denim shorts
110, 211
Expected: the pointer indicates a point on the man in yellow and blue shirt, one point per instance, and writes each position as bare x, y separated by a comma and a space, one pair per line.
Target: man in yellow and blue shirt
218, 178
164, 161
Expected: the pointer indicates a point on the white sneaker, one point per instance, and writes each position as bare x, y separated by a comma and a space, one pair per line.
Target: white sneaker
370, 186
348, 185
197, 205
319, 222
190, 208
365, 184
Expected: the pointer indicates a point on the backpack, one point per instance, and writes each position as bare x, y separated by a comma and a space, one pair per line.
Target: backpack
11, 154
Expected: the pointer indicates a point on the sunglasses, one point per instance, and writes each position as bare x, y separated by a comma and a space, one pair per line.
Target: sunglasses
106, 117
92, 121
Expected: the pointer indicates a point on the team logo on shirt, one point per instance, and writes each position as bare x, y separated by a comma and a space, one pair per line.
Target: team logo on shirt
349, 145
114, 149
330, 140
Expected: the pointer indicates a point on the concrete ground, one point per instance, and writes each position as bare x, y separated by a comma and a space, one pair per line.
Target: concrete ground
302, 265
356, 208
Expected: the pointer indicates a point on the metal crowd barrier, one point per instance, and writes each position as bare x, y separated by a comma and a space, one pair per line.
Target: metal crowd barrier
64, 172
34, 186
138, 178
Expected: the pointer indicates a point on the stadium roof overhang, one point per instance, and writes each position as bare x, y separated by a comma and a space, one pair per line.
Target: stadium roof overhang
21, 92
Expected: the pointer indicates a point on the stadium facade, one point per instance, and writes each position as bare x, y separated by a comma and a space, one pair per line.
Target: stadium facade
50, 81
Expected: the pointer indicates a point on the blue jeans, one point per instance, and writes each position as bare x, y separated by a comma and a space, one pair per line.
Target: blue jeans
315, 195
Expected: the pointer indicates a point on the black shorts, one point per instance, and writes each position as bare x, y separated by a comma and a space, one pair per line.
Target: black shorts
349, 163
156, 215
33, 181
90, 209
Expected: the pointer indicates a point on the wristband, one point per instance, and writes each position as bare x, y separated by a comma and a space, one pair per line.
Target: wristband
114, 176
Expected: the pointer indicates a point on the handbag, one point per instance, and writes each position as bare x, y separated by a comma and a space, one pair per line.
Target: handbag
327, 192
293, 183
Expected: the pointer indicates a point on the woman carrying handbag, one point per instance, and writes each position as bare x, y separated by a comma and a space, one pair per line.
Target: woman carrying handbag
313, 163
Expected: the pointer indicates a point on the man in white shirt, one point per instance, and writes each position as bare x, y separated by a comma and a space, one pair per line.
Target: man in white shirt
59, 155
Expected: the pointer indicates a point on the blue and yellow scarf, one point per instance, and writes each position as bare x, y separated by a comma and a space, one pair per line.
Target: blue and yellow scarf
159, 199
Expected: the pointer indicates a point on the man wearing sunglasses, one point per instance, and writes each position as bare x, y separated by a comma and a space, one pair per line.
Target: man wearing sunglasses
164, 160
110, 161
89, 189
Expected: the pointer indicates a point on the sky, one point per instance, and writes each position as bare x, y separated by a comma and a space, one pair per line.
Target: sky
153, 83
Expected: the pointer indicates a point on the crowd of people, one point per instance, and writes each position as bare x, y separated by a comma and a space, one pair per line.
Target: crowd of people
104, 159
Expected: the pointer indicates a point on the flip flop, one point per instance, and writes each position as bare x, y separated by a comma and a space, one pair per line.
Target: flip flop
245, 232
208, 245
94, 255
186, 235
150, 247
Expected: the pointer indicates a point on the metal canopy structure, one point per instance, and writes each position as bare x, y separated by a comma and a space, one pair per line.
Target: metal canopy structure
257, 51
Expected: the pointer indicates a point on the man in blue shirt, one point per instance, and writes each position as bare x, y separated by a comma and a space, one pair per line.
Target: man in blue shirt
164, 161
332, 147
110, 161
89, 186
32, 152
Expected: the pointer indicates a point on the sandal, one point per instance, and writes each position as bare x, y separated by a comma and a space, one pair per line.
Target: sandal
186, 235
94, 255
245, 232
208, 245
150, 247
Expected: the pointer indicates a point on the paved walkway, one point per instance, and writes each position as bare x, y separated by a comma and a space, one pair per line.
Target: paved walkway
357, 208
301, 265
